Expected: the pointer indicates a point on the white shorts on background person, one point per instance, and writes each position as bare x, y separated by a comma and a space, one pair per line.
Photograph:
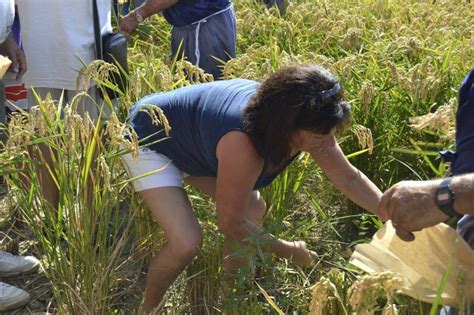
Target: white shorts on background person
166, 173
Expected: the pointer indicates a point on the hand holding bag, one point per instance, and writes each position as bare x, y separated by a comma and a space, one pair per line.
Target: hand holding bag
111, 48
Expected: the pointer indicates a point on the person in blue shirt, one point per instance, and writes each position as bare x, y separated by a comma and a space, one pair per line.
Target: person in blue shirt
229, 138
204, 31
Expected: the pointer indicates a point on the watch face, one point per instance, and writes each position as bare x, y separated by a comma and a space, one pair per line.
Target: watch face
443, 197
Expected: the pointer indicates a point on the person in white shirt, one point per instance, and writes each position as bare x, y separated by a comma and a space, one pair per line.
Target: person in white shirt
58, 38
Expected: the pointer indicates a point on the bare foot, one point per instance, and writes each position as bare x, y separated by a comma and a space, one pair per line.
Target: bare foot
301, 255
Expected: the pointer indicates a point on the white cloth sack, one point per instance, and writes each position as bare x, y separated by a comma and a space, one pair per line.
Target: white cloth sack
422, 262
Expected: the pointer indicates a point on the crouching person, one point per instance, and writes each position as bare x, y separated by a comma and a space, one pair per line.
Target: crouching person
229, 139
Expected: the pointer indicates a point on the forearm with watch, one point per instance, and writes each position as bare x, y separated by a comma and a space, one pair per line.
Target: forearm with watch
455, 195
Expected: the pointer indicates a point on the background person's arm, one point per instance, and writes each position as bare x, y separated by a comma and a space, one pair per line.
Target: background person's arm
347, 178
130, 22
11, 49
411, 204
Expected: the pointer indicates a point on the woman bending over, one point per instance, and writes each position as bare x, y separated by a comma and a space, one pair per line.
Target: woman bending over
229, 139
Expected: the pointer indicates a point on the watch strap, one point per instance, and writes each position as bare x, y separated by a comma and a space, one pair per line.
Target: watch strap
444, 197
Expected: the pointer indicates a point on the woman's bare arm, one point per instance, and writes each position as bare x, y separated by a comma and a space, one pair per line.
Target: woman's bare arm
347, 178
239, 168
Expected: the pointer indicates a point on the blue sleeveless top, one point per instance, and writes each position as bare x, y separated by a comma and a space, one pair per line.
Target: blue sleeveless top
185, 12
199, 115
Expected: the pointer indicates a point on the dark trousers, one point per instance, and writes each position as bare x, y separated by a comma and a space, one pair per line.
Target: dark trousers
207, 43
281, 5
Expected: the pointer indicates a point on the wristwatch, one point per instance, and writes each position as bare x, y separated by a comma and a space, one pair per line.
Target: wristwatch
444, 198
138, 16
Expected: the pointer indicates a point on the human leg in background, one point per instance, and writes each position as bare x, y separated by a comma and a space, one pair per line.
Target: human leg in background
45, 154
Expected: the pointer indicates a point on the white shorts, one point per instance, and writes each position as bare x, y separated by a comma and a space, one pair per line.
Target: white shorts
166, 174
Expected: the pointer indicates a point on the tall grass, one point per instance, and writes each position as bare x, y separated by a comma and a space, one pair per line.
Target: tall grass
83, 236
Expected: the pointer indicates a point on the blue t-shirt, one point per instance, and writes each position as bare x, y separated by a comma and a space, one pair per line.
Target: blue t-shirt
199, 115
186, 12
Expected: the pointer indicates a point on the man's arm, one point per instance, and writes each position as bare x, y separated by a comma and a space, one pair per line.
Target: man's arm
130, 22
10, 48
411, 204
463, 187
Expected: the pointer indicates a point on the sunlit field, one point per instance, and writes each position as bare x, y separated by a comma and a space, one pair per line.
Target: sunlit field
400, 64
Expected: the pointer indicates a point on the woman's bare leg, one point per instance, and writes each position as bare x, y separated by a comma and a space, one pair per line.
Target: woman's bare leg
171, 209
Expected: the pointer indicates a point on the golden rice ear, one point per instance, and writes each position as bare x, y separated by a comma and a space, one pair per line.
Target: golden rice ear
324, 291
193, 73
364, 137
97, 70
442, 121
157, 116
364, 292
366, 96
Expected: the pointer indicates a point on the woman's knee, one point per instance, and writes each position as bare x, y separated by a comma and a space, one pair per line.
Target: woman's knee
187, 245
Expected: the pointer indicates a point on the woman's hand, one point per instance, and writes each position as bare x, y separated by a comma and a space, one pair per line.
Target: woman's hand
301, 255
296, 251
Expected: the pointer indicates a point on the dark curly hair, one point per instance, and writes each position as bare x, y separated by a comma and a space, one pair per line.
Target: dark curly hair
290, 100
